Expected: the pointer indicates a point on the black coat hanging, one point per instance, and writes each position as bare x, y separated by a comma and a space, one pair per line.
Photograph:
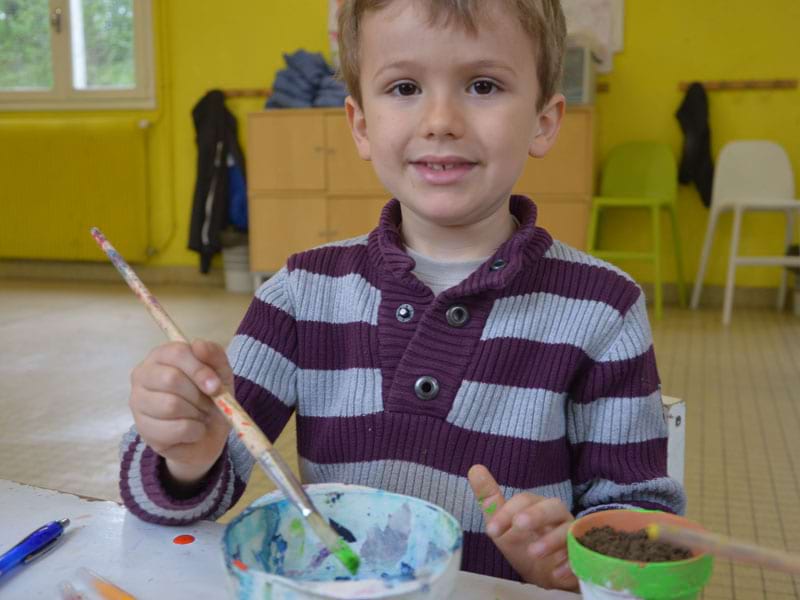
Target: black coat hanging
217, 138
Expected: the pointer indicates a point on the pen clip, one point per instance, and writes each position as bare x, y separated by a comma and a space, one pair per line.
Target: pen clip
41, 551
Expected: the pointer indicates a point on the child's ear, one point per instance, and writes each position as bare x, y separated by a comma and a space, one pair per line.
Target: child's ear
358, 127
548, 123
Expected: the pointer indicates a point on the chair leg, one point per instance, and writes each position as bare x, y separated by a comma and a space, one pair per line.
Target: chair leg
591, 242
729, 282
655, 212
676, 240
701, 271
784, 271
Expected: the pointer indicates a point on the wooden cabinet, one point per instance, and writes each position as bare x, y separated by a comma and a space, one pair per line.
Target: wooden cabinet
308, 186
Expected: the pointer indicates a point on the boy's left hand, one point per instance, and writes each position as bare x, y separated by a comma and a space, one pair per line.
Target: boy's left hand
530, 531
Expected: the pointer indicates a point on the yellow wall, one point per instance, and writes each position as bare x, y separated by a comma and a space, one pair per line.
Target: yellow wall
206, 44
686, 40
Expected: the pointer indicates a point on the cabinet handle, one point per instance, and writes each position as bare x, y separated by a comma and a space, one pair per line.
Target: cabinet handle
333, 233
319, 149
331, 150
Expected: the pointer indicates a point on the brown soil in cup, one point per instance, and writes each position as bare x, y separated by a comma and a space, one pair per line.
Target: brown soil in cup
631, 545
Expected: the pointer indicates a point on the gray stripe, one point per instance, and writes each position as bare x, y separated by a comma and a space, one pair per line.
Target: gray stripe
561, 251
345, 299
547, 318
448, 491
664, 491
339, 393
617, 420
188, 514
240, 458
524, 413
274, 291
635, 338
264, 366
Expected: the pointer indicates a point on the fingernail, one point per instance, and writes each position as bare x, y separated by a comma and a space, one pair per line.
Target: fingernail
210, 385
563, 571
537, 549
522, 521
492, 529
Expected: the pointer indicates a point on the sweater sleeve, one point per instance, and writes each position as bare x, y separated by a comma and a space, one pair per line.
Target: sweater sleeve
263, 356
616, 427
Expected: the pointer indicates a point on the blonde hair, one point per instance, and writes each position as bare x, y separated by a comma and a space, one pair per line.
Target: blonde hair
542, 20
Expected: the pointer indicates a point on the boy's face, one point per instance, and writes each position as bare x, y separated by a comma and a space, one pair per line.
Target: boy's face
448, 118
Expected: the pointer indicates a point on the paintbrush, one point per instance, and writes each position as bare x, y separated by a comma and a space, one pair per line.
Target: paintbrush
250, 434
725, 547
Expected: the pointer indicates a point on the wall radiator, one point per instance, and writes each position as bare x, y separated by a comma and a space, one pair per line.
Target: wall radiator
59, 177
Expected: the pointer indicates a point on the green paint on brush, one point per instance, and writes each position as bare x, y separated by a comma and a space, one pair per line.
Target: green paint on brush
296, 526
491, 509
347, 557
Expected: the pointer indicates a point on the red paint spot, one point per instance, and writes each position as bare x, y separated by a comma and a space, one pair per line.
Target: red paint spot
227, 410
183, 539
239, 564
247, 423
240, 435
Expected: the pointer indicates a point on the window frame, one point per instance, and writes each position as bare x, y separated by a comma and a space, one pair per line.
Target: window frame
62, 96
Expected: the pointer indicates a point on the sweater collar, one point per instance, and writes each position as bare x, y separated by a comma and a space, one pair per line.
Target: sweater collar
527, 245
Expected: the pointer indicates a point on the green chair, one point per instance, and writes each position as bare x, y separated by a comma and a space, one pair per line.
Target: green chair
640, 175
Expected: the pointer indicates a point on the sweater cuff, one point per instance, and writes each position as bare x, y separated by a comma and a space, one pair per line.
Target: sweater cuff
147, 494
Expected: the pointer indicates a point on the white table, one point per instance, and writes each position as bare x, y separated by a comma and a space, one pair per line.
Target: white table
142, 558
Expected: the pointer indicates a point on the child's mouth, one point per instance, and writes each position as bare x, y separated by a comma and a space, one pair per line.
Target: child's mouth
442, 173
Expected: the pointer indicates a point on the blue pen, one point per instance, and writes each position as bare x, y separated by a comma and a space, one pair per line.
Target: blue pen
33, 546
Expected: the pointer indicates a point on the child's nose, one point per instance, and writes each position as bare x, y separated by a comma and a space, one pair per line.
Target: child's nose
442, 118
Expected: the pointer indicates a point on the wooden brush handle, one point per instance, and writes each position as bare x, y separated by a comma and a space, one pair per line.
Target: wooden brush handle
735, 550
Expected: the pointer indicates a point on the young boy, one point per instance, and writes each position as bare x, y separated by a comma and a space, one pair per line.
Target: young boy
456, 334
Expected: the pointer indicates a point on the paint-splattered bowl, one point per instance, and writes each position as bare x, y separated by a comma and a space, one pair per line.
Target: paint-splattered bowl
409, 548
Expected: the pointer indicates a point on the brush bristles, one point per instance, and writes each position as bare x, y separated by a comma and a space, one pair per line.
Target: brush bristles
334, 542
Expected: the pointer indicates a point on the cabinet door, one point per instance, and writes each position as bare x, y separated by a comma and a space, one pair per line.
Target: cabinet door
565, 218
350, 217
286, 151
567, 168
281, 225
348, 173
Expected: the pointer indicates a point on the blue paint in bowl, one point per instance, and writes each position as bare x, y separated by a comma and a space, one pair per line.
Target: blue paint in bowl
409, 548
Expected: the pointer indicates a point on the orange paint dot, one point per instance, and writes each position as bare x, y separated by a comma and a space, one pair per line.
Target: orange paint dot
239, 564
183, 539
227, 410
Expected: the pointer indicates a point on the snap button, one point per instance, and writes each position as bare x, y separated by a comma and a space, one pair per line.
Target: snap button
498, 264
404, 313
426, 388
457, 315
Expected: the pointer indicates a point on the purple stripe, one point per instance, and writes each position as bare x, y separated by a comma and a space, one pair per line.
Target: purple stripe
337, 345
576, 280
480, 555
269, 413
620, 463
336, 261
525, 363
632, 378
432, 442
271, 326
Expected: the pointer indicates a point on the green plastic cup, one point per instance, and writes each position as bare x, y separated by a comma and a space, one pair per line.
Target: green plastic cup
603, 577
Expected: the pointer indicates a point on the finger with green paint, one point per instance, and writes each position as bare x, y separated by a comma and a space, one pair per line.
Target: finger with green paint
529, 530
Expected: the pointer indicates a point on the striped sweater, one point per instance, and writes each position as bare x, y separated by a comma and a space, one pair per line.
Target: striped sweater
545, 374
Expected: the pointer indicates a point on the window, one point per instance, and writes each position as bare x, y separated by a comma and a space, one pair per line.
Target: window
78, 54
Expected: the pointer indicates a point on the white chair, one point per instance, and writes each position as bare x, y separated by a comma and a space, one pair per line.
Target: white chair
757, 176
675, 415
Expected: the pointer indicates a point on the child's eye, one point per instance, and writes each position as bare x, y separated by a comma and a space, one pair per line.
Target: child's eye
483, 87
404, 88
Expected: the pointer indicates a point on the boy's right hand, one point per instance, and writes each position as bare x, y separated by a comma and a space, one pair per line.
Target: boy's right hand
173, 412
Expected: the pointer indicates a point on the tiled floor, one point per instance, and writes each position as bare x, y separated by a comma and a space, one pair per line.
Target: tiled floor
66, 351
